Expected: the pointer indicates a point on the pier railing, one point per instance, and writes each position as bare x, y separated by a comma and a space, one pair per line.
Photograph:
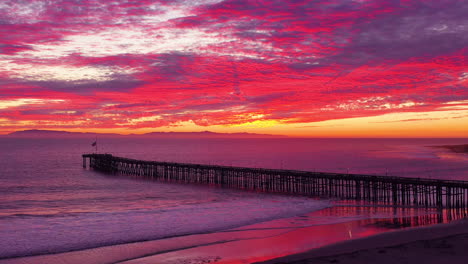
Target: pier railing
380, 189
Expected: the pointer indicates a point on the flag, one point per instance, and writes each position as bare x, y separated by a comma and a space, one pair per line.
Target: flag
94, 143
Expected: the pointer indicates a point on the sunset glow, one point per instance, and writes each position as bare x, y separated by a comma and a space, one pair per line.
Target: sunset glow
334, 68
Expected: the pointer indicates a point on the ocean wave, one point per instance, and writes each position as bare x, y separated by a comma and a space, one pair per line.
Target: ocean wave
33, 235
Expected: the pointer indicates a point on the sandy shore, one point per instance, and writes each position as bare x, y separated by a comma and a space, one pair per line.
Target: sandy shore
285, 237
444, 243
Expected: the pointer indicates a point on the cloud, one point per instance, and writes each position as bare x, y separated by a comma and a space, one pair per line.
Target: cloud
9, 49
210, 62
417, 29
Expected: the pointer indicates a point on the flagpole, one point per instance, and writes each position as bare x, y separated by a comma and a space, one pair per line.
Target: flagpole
96, 145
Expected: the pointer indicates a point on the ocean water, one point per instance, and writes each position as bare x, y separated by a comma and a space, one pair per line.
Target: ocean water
50, 204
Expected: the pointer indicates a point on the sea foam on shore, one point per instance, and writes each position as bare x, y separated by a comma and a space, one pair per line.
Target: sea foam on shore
251, 243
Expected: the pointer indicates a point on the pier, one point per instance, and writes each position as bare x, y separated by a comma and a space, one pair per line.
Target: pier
390, 190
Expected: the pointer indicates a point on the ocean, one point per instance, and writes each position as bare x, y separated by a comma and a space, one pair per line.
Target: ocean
50, 204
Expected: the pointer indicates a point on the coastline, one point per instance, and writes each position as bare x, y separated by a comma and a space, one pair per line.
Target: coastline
442, 243
188, 244
257, 242
455, 148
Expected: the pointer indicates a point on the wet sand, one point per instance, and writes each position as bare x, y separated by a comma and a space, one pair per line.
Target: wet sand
444, 243
253, 243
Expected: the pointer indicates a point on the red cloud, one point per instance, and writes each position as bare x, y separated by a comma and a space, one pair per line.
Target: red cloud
146, 64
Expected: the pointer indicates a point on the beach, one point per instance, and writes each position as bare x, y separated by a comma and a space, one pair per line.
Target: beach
362, 229
443, 243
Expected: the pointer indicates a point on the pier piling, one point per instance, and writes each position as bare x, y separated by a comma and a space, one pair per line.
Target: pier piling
376, 189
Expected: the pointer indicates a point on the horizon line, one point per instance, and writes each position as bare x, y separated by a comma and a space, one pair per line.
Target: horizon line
233, 133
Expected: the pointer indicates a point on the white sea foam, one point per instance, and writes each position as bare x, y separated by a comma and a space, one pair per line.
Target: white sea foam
58, 234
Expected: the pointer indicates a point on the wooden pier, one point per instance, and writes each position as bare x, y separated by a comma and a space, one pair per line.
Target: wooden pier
399, 191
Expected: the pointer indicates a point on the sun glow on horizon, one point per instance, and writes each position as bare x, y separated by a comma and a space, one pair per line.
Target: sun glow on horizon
401, 125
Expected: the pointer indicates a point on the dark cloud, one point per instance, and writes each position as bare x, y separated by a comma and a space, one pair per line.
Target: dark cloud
8, 49
88, 87
56, 112
420, 29
270, 97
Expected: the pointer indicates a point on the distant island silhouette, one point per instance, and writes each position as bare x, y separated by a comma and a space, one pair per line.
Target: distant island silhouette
203, 134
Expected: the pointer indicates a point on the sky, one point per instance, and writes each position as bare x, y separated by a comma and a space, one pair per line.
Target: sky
318, 68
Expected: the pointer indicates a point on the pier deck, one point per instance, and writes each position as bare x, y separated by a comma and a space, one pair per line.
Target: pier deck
380, 189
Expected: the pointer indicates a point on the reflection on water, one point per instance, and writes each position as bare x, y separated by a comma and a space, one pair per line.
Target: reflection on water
48, 202
273, 239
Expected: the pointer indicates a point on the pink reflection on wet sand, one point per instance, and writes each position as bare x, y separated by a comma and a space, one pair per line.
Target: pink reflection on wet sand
283, 237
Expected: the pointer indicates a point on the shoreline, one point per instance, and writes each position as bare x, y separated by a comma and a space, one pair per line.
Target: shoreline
441, 243
455, 148
307, 232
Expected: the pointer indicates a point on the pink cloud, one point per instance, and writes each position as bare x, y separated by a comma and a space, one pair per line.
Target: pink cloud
147, 64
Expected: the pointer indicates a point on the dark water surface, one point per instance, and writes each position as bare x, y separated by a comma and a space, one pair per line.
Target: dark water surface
49, 203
